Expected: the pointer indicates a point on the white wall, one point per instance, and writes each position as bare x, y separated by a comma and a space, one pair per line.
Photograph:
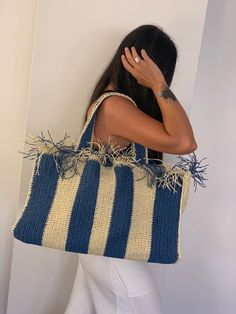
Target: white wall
16, 42
72, 45
209, 271
205, 283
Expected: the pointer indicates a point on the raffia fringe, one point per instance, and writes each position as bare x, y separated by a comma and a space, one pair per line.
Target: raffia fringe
67, 161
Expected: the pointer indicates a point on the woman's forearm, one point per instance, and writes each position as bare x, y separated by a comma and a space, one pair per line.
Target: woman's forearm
175, 119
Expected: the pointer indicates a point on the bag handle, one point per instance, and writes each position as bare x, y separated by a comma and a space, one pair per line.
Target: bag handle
140, 151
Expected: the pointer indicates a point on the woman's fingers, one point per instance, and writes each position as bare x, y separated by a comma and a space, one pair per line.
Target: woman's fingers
127, 66
135, 54
129, 56
130, 64
145, 71
145, 55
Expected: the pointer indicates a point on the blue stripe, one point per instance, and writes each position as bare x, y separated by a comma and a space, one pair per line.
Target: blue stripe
140, 153
31, 225
165, 226
121, 213
83, 209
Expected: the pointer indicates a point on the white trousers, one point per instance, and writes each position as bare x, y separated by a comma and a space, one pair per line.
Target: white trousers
105, 285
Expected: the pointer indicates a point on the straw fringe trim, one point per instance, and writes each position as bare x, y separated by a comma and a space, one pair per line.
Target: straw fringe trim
67, 160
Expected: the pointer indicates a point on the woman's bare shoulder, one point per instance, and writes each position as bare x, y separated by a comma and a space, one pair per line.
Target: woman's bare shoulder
109, 101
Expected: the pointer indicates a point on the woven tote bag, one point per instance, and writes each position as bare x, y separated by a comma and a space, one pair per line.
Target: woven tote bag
103, 200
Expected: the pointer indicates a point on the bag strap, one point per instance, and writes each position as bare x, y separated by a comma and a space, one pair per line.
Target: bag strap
140, 151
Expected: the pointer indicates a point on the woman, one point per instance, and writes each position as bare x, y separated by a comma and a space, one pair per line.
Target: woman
142, 68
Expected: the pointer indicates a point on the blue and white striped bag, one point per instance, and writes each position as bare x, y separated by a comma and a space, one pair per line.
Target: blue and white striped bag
103, 200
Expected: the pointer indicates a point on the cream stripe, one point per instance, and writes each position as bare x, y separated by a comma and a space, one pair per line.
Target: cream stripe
103, 211
140, 234
57, 225
183, 203
185, 191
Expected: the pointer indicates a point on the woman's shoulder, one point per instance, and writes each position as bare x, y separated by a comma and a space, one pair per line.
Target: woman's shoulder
91, 105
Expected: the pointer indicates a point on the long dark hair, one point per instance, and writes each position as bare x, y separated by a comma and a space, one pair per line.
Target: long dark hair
162, 51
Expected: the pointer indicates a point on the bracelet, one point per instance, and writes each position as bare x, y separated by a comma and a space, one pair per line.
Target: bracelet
167, 94
160, 93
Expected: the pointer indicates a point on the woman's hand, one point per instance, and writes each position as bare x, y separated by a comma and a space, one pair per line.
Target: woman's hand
146, 71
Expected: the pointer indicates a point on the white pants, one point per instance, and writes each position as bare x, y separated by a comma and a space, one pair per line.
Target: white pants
105, 285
